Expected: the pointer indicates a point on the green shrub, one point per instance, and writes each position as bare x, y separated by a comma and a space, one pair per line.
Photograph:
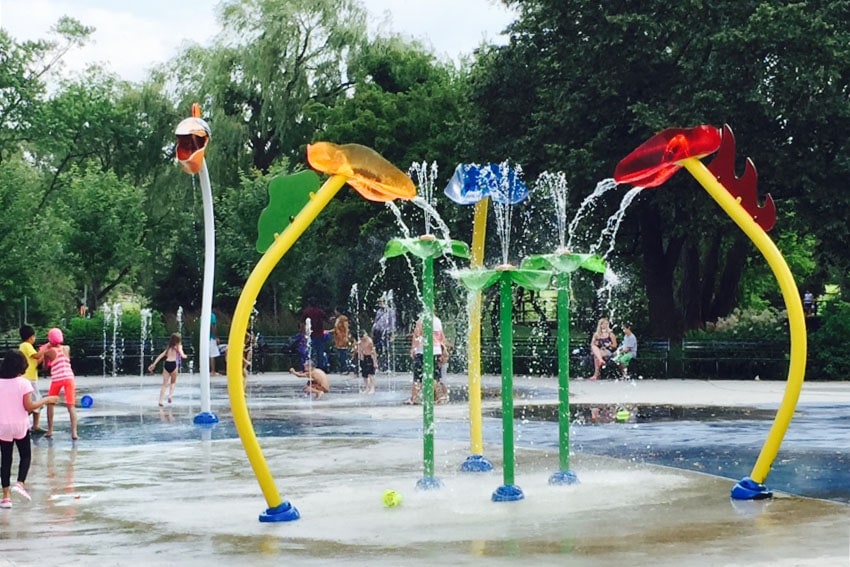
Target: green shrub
828, 354
131, 326
745, 324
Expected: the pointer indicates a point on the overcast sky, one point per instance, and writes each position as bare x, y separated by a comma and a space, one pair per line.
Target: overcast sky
134, 35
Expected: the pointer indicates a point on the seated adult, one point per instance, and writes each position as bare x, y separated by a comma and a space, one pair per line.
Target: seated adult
603, 343
627, 351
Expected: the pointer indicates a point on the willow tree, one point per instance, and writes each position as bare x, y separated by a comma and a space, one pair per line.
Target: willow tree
270, 61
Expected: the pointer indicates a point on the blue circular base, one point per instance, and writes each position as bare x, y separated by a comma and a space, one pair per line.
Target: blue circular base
205, 418
748, 489
563, 478
508, 493
428, 483
86, 401
286, 512
476, 463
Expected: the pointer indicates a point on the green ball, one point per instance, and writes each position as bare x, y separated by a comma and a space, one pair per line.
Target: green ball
391, 498
623, 415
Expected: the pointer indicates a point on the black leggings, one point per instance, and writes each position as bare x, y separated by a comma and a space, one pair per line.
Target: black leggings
25, 452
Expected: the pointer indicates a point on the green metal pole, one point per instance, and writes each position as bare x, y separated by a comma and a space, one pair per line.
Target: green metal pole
506, 332
428, 366
563, 282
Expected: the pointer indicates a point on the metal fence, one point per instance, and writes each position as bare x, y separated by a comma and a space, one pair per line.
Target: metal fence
657, 357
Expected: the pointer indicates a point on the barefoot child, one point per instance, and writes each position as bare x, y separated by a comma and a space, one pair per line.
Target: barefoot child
317, 381
368, 362
15, 405
58, 356
173, 354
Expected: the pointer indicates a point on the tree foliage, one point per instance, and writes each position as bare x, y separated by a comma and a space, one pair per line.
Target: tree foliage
88, 164
583, 83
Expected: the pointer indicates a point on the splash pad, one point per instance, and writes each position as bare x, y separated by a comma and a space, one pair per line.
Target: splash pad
650, 165
202, 508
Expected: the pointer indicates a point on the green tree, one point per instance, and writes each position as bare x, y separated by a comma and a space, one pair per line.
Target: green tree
581, 84
272, 58
24, 68
105, 225
408, 106
31, 252
828, 357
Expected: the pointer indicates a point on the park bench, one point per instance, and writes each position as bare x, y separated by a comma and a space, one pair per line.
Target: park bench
734, 359
652, 360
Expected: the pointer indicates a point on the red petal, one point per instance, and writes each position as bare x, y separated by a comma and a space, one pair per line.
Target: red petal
657, 159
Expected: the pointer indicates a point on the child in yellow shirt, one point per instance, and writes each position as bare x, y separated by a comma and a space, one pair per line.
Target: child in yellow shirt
33, 357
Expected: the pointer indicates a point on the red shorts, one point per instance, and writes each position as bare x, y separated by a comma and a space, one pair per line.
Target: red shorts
70, 390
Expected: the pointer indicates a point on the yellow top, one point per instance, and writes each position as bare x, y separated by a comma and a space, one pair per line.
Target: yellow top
30, 353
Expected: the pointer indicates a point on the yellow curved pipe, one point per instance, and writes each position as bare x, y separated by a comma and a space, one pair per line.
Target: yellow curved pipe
239, 328
479, 230
796, 318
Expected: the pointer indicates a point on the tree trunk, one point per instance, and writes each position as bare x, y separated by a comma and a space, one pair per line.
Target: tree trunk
692, 286
728, 287
658, 267
711, 266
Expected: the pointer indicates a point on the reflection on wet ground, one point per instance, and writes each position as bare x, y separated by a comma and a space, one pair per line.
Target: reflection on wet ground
724, 441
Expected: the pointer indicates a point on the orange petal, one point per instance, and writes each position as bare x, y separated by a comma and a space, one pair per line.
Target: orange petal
375, 178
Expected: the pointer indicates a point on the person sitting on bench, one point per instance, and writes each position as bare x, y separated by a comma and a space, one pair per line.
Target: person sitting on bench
627, 351
602, 345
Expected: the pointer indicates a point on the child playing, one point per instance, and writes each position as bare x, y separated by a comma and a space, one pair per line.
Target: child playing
15, 404
417, 346
58, 357
173, 354
317, 381
368, 362
33, 358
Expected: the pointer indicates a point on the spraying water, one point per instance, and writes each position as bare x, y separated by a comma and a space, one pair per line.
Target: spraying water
114, 351
424, 176
180, 320
308, 337
117, 352
354, 306
587, 205
505, 195
555, 185
614, 222
146, 317
251, 340
107, 319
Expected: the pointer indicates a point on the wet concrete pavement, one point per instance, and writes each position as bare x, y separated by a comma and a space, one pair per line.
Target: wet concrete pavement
144, 486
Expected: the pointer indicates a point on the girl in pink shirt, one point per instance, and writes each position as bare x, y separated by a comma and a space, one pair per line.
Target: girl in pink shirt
15, 406
61, 378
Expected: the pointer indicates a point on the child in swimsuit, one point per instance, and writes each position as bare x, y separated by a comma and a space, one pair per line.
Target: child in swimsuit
173, 354
368, 362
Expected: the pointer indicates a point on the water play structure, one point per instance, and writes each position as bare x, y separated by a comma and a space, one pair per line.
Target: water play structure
193, 135
658, 159
296, 200
427, 247
294, 203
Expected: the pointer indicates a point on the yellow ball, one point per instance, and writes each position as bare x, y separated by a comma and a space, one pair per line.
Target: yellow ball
391, 498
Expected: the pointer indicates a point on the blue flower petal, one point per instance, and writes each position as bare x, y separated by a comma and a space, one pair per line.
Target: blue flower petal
471, 183
464, 187
508, 188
